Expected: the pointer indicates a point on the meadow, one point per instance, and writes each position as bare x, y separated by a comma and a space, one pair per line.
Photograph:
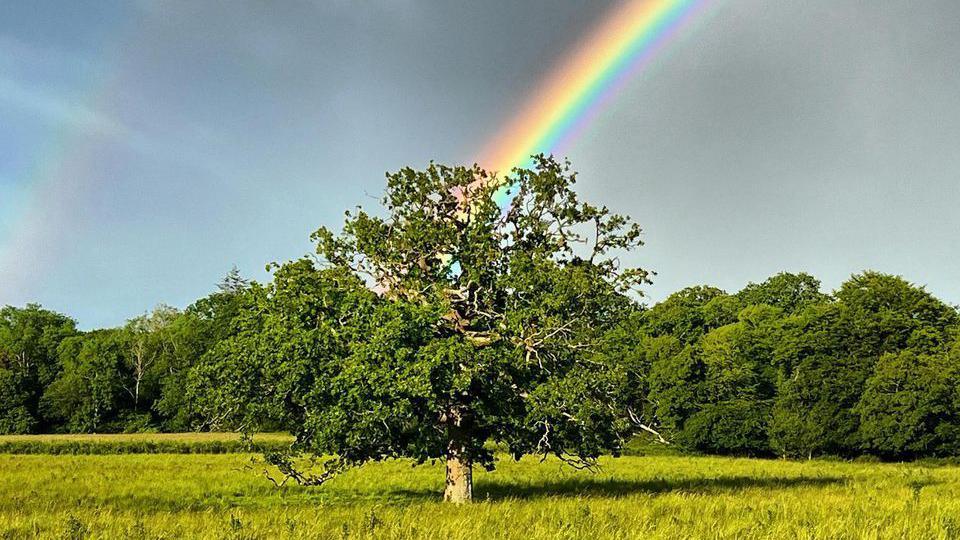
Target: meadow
226, 496
142, 443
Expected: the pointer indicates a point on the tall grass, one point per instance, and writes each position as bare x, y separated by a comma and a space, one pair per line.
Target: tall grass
224, 496
142, 443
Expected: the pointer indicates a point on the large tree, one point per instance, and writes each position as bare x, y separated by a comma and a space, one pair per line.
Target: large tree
440, 324
887, 314
690, 313
29, 338
790, 292
911, 406
88, 394
715, 396
184, 338
814, 410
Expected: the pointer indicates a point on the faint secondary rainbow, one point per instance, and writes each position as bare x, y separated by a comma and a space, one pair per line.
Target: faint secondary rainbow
35, 222
620, 47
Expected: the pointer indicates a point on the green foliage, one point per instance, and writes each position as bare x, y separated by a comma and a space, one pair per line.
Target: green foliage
888, 314
674, 379
183, 341
736, 426
690, 313
800, 373
714, 396
791, 293
29, 338
636, 354
814, 410
187, 338
911, 406
15, 403
88, 394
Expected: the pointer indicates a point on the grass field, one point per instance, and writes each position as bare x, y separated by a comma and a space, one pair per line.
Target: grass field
141, 443
219, 496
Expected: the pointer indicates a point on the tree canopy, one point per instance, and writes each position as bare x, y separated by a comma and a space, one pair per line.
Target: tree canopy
442, 324
29, 342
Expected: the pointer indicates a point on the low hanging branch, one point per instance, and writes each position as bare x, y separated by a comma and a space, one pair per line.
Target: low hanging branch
286, 466
639, 423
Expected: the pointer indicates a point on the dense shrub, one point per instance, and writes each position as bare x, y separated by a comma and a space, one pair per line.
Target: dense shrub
737, 427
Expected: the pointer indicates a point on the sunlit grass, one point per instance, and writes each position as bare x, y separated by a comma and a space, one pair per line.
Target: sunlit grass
221, 496
112, 437
140, 443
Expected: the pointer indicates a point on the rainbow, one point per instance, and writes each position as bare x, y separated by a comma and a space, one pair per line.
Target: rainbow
622, 45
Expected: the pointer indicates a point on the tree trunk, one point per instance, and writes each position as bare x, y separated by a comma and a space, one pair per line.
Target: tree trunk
459, 487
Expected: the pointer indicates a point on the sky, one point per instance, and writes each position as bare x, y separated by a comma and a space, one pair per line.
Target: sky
146, 147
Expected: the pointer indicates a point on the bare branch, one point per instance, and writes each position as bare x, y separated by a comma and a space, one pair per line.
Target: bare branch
639, 423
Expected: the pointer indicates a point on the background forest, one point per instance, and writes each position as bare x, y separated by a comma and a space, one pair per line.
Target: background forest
778, 368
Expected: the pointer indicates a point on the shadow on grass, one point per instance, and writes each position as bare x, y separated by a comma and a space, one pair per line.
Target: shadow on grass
615, 488
483, 491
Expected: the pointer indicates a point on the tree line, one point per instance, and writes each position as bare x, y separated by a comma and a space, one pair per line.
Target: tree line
780, 368
134, 378
379, 347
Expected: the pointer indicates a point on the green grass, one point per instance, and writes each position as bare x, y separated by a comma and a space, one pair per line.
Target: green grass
141, 443
219, 496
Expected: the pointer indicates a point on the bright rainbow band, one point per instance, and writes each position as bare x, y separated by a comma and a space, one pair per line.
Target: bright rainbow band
622, 44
